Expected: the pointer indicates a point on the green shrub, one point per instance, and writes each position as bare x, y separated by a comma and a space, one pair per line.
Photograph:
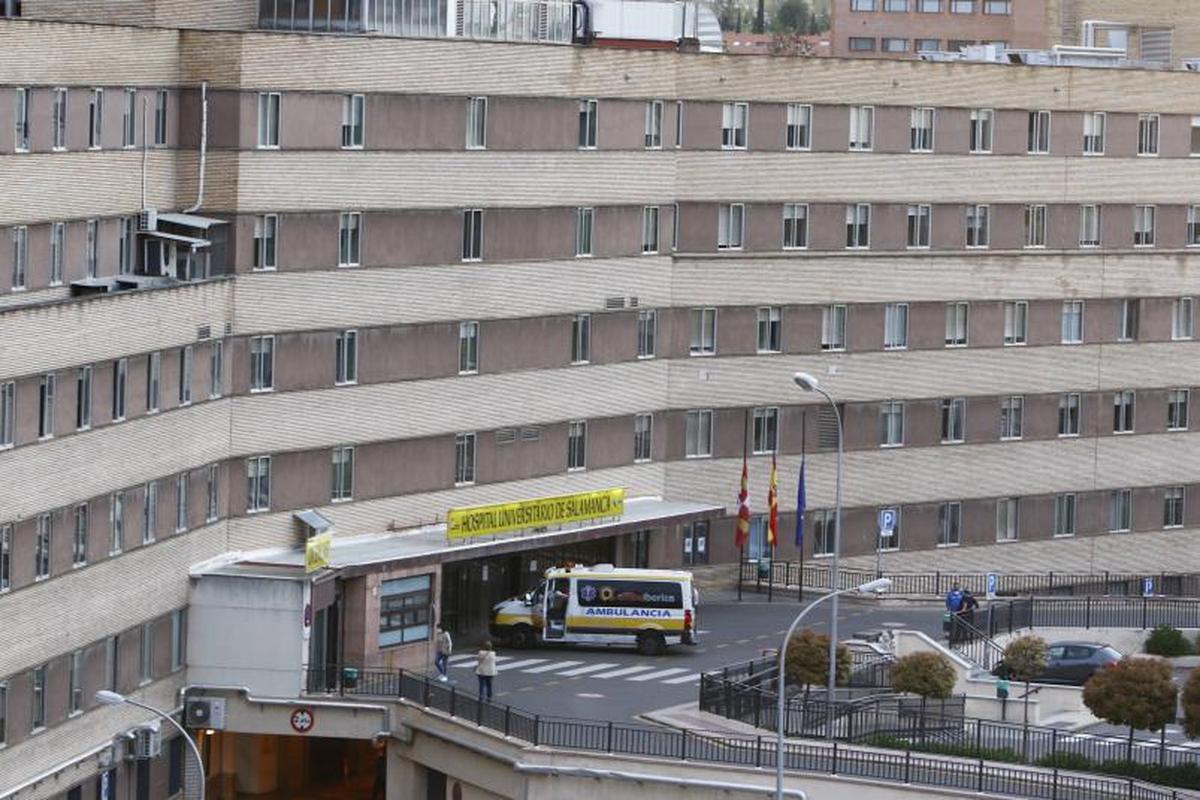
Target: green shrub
1186, 776
1168, 641
1076, 761
894, 742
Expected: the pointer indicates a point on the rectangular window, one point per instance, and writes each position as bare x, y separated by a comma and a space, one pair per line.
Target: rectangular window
920, 126
1127, 320
1195, 136
654, 124
1016, 322
1089, 226
216, 369
858, 226
350, 239
891, 423
1193, 226
1173, 507
258, 477
588, 112
1035, 226
997, 6
58, 119
6, 534
1143, 226
833, 327
146, 653
120, 377
1182, 318
129, 119
962, 6
862, 126
954, 419
160, 117
178, 640
79, 542
647, 332
1072, 322
895, 5
43, 547
405, 610
75, 683
1012, 413
126, 243
58, 239
585, 219
1007, 527
46, 392
1120, 510
345, 367
643, 433
1068, 414
96, 119
949, 524
1147, 135
1123, 411
890, 44
581, 338
22, 120
20, 251
153, 381
8, 402
731, 219
862, 5
920, 224
468, 347
262, 363
957, 324
704, 332
37, 718
212, 486
862, 44
978, 229
464, 459
1064, 515
268, 120
1177, 409
674, 227
576, 445
266, 241
477, 114
342, 475
650, 218
678, 124
699, 430
186, 362
116, 522
766, 430
150, 513
112, 662
353, 122
1093, 133
91, 254
799, 126
795, 226
927, 45
895, 326
735, 121
472, 248
824, 532
1039, 132
769, 338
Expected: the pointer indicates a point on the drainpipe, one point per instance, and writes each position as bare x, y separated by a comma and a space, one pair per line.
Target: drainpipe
203, 147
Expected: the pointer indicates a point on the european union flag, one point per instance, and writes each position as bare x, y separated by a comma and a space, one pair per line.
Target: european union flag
800, 506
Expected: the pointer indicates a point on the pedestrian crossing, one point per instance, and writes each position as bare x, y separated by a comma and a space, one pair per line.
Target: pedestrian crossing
564, 668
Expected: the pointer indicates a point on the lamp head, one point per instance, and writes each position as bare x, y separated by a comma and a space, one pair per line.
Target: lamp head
106, 698
805, 381
877, 585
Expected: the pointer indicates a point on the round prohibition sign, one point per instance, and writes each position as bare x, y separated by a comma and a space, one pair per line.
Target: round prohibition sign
302, 720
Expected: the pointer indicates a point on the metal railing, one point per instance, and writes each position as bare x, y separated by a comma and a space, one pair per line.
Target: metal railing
1088, 612
910, 767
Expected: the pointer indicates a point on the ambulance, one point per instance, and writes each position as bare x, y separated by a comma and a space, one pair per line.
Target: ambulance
644, 608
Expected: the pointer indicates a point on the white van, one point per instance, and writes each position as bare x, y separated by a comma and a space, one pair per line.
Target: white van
647, 608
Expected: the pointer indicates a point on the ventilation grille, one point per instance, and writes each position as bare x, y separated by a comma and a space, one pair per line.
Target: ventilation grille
531, 434
506, 435
827, 429
614, 303
203, 332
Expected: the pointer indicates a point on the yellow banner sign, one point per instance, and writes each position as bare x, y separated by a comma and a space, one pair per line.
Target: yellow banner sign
316, 552
464, 523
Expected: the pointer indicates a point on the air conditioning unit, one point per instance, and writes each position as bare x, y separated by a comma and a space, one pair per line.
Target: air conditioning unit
148, 220
108, 756
145, 743
208, 712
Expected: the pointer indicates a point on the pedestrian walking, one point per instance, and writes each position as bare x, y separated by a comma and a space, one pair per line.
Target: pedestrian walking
441, 657
954, 604
485, 669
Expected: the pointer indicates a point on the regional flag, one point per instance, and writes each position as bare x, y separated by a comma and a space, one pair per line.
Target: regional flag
742, 533
773, 505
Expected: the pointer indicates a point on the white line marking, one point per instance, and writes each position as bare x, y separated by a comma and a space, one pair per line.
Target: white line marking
585, 670
528, 662
617, 673
472, 660
553, 665
662, 673
695, 676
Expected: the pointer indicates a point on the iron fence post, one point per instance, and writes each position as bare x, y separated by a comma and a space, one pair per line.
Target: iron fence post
1087, 611
453, 699
980, 784
537, 729
1054, 786
683, 744
1145, 610
508, 720
758, 751
907, 765
1054, 746
479, 712
425, 693
609, 737
834, 771
979, 739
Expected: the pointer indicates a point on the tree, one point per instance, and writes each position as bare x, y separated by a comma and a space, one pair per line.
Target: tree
1191, 705
807, 660
1137, 692
791, 16
1025, 659
924, 674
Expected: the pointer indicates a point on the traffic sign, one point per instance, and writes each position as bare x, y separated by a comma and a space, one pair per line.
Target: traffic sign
993, 584
887, 522
302, 720
1147, 587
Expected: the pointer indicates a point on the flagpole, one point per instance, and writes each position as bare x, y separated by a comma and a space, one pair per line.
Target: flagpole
741, 543
800, 511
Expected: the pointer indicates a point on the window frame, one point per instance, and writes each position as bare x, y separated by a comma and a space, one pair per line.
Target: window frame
704, 332
769, 329
891, 423
1094, 143
345, 362
1073, 310
477, 120
350, 227
731, 226
764, 437
581, 339
1039, 130
1012, 418
920, 226
1178, 409
1149, 138
798, 127
895, 318
647, 333
795, 226
651, 228
735, 125
258, 476
653, 131
1070, 415
698, 430
1064, 514
270, 113
589, 114
342, 465
577, 445
643, 438
953, 420
921, 137
468, 347
1036, 218
834, 325
862, 116
585, 224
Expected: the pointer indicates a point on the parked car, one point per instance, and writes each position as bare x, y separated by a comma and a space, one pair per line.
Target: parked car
1071, 663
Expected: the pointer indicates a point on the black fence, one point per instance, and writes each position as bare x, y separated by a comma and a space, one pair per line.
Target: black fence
1088, 612
908, 767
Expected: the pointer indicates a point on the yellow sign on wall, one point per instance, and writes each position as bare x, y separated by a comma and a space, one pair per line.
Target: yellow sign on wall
464, 523
316, 551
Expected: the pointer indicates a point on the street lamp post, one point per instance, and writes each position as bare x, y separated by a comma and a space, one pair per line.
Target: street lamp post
107, 698
810, 384
877, 585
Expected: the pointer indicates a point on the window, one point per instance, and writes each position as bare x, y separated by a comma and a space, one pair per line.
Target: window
160, 117
1120, 510
1072, 322
858, 226
588, 112
1143, 226
216, 369
153, 380
46, 392
349, 239
704, 332
927, 45
674, 227
58, 238
1093, 133
1068, 414
22, 120
1177, 409
405, 610
957, 323
920, 127
1012, 410
472, 249
833, 327
96, 119
650, 217
91, 255
585, 219
799, 126
978, 234
42, 547
116, 523
769, 339
37, 719
150, 513
181, 502
862, 5
731, 218
678, 124
647, 325
268, 120
891, 423
862, 125
20, 250
1035, 226
178, 639
262, 363
186, 361
146, 653
699, 429
581, 338
1182, 318
1193, 226
1089, 226
735, 121
477, 113
576, 445
920, 222
120, 376
895, 5
342, 475
464, 459
126, 242
981, 130
353, 111
962, 6
1007, 527
643, 432
954, 418
1064, 515
1039, 132
258, 478
129, 119
1016, 322
949, 524
1173, 507
795, 226
6, 532
58, 119
8, 401
892, 45
79, 542
75, 701
468, 347
345, 369
1147, 135
1195, 137
997, 6
212, 488
1123, 411
654, 124
862, 44
895, 326
824, 532
1127, 320
266, 241
766, 430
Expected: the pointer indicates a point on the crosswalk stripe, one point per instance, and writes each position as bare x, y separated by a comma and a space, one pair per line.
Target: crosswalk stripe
662, 673
553, 665
470, 661
585, 670
528, 662
617, 673
695, 676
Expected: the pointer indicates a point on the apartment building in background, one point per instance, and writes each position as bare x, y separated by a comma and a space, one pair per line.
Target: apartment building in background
263, 276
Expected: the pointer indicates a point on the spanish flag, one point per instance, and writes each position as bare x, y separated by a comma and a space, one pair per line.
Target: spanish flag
742, 533
773, 505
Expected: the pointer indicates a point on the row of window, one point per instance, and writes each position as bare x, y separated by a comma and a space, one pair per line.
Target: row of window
897, 44
991, 7
59, 118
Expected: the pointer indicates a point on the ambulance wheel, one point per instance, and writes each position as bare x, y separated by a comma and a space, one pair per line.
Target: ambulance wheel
521, 637
651, 643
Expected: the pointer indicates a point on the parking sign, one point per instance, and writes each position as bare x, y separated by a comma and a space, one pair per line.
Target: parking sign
993, 583
887, 522
1148, 587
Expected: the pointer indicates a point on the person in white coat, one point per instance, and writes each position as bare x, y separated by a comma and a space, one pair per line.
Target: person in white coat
443, 646
485, 669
